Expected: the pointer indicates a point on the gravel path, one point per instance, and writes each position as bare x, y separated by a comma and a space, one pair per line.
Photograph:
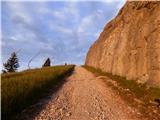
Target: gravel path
86, 97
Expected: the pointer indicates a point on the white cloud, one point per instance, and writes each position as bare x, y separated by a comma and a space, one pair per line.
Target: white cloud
86, 22
42, 8
17, 9
45, 46
13, 38
51, 30
62, 29
111, 1
90, 21
69, 10
72, 10
59, 15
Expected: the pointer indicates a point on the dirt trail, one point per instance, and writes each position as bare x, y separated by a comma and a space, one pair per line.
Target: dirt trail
85, 97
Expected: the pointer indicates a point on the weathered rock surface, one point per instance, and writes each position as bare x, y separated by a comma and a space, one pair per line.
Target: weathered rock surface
130, 44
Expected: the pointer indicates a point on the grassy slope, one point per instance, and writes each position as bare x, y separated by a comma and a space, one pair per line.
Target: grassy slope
22, 89
130, 89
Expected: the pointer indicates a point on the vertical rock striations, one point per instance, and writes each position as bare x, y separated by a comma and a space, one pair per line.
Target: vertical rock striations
130, 44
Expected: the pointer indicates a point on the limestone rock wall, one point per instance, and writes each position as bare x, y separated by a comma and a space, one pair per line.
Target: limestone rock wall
130, 44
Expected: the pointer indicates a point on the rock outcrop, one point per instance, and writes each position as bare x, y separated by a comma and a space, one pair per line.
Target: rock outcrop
130, 44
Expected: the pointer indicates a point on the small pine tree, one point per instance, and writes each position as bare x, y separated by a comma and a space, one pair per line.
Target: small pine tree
12, 63
4, 71
47, 63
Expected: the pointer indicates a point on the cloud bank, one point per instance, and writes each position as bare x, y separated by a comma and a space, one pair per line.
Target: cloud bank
63, 31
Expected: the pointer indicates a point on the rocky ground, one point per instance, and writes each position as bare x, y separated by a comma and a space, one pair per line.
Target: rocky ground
83, 97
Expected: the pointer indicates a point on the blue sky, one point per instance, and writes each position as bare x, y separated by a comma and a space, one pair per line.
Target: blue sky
62, 30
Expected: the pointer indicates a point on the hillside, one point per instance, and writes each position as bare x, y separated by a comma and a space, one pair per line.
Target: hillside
23, 89
129, 45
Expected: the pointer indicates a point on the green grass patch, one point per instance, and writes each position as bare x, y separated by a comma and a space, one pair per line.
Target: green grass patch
22, 89
141, 91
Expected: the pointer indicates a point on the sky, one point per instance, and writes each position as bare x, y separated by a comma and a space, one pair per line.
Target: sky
61, 30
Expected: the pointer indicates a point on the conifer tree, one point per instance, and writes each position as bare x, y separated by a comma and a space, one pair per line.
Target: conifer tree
12, 63
47, 63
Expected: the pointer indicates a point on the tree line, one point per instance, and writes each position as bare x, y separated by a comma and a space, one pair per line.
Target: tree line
12, 64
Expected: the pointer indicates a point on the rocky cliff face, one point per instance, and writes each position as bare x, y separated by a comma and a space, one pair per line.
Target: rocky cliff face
130, 44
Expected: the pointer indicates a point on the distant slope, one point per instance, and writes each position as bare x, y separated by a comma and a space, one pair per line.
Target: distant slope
130, 44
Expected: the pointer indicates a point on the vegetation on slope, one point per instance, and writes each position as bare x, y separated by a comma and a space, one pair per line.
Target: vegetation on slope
134, 93
22, 89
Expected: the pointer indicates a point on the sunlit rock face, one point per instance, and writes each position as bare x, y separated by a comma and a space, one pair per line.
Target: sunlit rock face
130, 44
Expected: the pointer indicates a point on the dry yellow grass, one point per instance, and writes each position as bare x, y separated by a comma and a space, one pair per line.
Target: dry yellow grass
24, 88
